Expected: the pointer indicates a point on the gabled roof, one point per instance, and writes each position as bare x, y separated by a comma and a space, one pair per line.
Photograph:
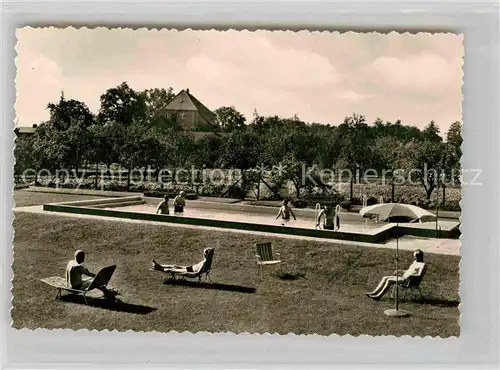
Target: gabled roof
187, 102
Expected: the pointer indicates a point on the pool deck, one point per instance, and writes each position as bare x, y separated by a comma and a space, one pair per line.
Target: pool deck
428, 245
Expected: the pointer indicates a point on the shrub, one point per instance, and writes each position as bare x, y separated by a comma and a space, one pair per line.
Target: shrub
171, 194
346, 205
299, 203
236, 192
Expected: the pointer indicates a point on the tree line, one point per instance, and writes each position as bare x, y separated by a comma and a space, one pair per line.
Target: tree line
130, 129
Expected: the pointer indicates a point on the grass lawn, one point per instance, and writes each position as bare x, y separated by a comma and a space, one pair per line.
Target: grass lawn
25, 198
326, 298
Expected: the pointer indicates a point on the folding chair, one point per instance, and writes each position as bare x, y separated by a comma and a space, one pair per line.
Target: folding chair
411, 284
265, 255
205, 269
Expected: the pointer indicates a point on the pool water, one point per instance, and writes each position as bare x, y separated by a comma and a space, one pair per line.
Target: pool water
252, 217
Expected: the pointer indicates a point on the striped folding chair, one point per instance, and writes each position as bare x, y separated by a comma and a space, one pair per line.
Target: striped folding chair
265, 255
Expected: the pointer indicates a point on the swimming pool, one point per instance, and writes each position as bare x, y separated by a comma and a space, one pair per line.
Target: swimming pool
253, 218
305, 221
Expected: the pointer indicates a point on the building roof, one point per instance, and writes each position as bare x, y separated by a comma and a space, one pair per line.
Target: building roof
25, 130
184, 101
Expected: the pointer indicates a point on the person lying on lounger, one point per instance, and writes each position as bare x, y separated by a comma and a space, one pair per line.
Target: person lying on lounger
415, 269
75, 271
181, 269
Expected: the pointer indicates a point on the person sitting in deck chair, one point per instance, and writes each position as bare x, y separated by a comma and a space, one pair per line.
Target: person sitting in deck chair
181, 269
415, 269
285, 212
75, 279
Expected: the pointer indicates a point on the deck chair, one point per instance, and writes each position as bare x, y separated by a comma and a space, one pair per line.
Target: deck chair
204, 271
101, 279
265, 255
411, 284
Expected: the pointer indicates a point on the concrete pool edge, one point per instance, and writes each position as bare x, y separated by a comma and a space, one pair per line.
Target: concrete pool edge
379, 235
324, 234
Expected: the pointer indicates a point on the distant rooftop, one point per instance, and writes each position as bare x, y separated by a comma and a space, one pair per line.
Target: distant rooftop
25, 129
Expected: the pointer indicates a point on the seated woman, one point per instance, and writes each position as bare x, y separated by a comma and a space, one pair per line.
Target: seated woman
177, 268
415, 269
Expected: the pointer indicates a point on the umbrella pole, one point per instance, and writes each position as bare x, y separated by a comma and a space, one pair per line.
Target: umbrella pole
396, 312
397, 268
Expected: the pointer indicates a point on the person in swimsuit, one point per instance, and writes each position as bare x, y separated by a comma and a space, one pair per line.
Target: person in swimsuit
179, 203
176, 268
329, 214
285, 212
163, 206
79, 277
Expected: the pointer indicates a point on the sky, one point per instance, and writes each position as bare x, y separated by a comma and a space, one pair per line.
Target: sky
320, 76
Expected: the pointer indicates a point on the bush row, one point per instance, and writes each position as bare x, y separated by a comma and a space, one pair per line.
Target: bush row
309, 196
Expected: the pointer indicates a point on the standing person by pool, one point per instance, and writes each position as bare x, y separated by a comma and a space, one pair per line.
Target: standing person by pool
329, 218
337, 217
179, 203
285, 212
163, 206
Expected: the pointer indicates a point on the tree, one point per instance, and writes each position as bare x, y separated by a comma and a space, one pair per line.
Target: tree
431, 132
23, 154
293, 169
427, 159
241, 150
101, 150
388, 152
78, 139
229, 119
50, 150
155, 101
123, 105
179, 150
69, 121
356, 151
454, 139
65, 112
208, 150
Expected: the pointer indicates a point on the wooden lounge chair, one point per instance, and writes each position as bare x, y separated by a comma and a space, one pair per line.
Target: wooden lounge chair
101, 279
265, 255
412, 283
204, 271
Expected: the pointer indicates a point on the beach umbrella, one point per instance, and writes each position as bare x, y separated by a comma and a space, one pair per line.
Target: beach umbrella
387, 211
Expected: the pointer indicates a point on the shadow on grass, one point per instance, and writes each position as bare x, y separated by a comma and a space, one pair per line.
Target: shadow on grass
195, 284
440, 302
288, 275
108, 305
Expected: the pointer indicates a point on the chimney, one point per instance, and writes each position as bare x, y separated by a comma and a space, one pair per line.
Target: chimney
187, 90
